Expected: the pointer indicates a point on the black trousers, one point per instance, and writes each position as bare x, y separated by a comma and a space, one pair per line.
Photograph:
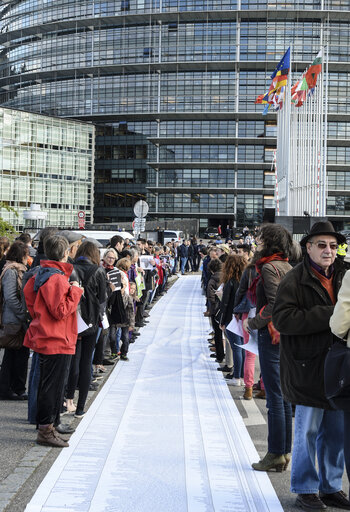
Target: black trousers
219, 346
53, 377
140, 306
100, 349
80, 370
13, 373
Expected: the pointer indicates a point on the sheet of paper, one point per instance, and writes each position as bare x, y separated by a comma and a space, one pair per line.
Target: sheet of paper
105, 323
147, 262
236, 326
82, 326
252, 345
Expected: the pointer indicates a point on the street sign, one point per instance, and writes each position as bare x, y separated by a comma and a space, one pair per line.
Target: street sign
141, 209
139, 224
81, 219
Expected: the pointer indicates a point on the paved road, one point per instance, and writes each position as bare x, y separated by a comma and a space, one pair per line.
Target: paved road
23, 464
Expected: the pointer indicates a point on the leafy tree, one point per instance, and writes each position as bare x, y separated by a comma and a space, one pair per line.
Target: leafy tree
6, 229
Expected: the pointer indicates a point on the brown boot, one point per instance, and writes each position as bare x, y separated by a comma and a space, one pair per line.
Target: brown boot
248, 393
48, 436
261, 394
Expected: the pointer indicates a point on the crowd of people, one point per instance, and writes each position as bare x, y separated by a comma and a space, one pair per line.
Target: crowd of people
76, 308
288, 300
72, 308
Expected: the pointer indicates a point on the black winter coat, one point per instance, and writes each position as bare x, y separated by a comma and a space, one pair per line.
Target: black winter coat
213, 299
97, 285
227, 302
301, 313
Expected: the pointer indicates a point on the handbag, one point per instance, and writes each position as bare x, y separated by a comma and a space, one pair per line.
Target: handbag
337, 376
11, 336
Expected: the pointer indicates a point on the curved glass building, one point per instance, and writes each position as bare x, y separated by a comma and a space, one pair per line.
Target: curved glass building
171, 85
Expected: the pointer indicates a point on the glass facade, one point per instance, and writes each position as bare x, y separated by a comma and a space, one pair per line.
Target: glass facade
47, 161
171, 85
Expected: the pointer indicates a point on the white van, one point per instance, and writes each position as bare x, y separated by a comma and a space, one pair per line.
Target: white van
178, 236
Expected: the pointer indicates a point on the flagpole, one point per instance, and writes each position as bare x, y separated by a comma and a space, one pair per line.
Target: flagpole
325, 135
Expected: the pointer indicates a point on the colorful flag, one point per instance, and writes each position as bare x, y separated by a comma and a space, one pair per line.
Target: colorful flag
275, 95
305, 86
298, 92
261, 99
280, 75
314, 70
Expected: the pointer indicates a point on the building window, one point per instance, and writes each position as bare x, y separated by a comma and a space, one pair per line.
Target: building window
125, 5
147, 52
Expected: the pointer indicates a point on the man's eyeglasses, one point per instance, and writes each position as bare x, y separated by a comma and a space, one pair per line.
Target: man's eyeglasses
323, 245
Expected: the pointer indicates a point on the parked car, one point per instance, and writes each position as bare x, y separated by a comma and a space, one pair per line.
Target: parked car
211, 233
236, 233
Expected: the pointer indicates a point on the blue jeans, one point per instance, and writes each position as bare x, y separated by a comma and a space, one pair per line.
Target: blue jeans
238, 354
321, 431
279, 412
183, 262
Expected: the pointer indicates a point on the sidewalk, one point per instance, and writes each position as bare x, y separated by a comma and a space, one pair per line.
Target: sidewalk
164, 432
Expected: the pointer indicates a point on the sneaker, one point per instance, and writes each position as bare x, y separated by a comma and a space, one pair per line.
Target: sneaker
63, 428
336, 499
309, 502
224, 369
229, 376
79, 414
93, 386
234, 382
108, 362
124, 358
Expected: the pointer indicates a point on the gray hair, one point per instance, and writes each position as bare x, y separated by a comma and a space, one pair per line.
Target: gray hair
107, 251
134, 252
55, 247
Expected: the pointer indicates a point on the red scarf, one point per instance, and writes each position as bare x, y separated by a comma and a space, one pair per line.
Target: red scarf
108, 267
259, 265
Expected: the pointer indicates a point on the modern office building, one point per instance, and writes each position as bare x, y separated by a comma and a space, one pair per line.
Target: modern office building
46, 161
183, 74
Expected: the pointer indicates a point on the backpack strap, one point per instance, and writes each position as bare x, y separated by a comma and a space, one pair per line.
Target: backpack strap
86, 276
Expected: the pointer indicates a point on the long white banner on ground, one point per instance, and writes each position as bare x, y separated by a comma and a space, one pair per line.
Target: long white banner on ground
164, 434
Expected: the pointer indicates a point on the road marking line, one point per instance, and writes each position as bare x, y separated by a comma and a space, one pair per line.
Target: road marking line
254, 415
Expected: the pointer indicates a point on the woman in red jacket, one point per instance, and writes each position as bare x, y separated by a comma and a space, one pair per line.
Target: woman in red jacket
52, 303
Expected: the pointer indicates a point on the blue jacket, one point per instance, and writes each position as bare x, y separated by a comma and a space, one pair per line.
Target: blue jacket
183, 251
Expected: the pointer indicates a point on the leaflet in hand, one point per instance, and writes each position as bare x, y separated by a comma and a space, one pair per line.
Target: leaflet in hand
115, 278
147, 262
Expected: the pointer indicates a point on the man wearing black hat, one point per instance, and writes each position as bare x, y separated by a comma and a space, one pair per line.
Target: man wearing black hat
304, 304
